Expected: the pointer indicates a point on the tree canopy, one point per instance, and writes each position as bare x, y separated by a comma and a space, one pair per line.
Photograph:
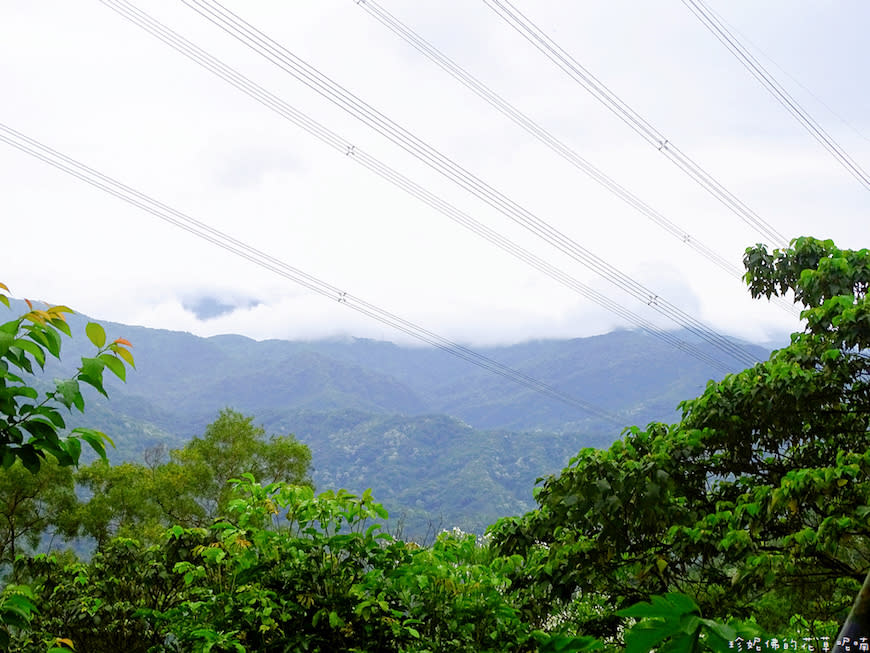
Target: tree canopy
755, 504
757, 501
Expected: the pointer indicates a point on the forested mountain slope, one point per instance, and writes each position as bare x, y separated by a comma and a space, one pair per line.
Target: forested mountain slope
439, 440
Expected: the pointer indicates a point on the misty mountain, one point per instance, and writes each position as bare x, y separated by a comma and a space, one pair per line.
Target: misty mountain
436, 438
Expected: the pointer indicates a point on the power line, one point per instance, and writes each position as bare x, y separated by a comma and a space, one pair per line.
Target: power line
271, 101
794, 79
559, 56
216, 237
735, 47
428, 50
341, 97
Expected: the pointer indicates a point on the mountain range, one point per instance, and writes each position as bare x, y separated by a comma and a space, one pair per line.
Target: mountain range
441, 442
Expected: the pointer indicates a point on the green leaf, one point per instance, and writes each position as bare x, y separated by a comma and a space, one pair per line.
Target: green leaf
40, 429
48, 338
29, 459
723, 631
641, 638
683, 603
335, 621
96, 334
92, 373
31, 348
23, 391
68, 392
73, 448
6, 340
60, 325
126, 355
95, 439
115, 366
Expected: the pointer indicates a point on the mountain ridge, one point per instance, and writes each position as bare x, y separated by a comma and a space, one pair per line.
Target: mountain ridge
434, 437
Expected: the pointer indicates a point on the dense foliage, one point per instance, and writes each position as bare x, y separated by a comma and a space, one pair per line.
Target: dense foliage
757, 501
191, 487
755, 507
284, 570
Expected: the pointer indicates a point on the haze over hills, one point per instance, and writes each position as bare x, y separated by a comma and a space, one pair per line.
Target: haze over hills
440, 441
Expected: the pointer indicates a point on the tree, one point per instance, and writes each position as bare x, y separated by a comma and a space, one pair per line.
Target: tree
287, 570
192, 487
31, 503
230, 447
756, 502
120, 503
30, 427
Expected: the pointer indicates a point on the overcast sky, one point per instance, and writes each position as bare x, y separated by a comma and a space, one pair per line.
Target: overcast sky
80, 78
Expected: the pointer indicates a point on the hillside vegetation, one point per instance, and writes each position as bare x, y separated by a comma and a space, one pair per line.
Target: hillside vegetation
746, 522
441, 442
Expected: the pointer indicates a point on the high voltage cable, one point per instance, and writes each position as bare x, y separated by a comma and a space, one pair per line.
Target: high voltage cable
202, 230
735, 47
428, 50
794, 79
282, 108
559, 56
264, 97
311, 77
507, 109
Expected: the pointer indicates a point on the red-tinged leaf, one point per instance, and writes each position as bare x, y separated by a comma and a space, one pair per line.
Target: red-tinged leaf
123, 341
29, 304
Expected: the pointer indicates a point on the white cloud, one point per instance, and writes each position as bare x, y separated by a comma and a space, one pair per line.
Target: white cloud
83, 80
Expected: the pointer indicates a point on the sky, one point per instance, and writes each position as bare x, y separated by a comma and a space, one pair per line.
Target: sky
80, 78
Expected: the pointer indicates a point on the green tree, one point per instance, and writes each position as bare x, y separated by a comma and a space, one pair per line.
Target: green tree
31, 504
287, 570
230, 447
31, 427
120, 502
192, 487
756, 502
